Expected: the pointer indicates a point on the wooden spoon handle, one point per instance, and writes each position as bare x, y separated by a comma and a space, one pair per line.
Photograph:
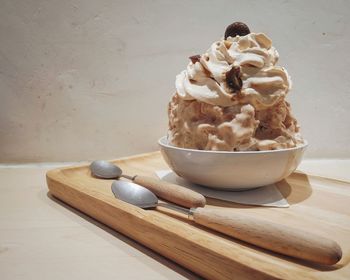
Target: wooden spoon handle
171, 192
272, 236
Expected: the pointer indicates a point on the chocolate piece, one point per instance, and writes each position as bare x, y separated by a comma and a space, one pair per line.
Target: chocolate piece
195, 58
233, 79
236, 28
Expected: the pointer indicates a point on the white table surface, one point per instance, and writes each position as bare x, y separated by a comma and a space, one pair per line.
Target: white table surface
43, 239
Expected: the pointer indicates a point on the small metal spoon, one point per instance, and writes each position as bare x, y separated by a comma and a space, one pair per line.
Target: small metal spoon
107, 170
271, 236
171, 192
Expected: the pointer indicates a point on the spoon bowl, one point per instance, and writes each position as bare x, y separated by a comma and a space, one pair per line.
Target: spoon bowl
134, 194
105, 169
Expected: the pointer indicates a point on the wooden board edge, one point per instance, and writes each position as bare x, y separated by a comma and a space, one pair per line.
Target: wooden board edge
142, 155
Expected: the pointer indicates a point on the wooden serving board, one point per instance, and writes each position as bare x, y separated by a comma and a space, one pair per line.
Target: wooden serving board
318, 205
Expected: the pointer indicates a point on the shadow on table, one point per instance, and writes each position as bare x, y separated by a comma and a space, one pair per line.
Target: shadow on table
295, 189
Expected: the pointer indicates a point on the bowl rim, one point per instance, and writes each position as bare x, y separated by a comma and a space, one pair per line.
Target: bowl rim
162, 142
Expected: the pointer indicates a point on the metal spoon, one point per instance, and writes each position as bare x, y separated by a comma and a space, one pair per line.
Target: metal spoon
171, 192
271, 236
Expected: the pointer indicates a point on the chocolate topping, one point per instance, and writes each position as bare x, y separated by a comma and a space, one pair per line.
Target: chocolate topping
233, 79
195, 58
236, 28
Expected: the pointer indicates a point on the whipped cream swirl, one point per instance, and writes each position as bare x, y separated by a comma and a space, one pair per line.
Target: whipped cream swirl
263, 82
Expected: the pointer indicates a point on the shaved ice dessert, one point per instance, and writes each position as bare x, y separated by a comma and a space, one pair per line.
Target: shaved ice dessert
232, 97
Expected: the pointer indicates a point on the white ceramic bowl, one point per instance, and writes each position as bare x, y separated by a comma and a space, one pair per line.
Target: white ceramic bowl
231, 170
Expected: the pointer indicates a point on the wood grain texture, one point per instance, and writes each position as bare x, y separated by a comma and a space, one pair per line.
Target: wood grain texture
271, 236
171, 192
318, 205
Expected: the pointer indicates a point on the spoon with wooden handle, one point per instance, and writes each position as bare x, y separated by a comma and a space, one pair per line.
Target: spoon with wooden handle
271, 236
170, 192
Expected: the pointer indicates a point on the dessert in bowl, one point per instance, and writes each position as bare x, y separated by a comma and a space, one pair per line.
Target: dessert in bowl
229, 114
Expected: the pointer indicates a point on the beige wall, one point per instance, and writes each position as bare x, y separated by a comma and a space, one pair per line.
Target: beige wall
91, 79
